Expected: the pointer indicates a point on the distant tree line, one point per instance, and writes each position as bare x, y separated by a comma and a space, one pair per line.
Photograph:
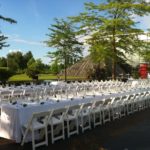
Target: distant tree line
17, 63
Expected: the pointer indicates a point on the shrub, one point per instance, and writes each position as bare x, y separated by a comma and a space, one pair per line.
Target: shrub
5, 73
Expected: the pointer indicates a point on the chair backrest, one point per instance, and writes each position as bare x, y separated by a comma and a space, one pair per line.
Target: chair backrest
74, 110
38, 116
115, 100
124, 99
86, 105
17, 92
60, 112
74, 107
5, 95
97, 103
107, 102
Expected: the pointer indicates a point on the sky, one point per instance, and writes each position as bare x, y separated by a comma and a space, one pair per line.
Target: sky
34, 17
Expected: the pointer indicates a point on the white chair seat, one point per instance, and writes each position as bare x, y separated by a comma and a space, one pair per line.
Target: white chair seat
35, 125
56, 120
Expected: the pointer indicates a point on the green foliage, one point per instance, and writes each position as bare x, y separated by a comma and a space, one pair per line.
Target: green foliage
145, 50
135, 73
63, 37
2, 41
33, 69
112, 28
55, 67
17, 61
2, 37
30, 62
3, 62
10, 20
5, 73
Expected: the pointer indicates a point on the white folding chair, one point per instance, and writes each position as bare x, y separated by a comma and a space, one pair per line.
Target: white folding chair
136, 102
35, 124
28, 94
115, 108
129, 104
71, 91
56, 122
96, 113
106, 106
71, 118
17, 93
147, 99
5, 96
123, 105
85, 116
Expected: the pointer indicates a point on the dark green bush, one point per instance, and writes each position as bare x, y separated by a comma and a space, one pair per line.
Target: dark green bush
5, 73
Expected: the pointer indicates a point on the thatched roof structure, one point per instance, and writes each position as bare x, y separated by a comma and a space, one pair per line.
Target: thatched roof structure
86, 65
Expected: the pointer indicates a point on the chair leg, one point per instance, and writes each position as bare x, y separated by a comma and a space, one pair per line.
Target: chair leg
63, 132
52, 134
33, 140
23, 140
68, 128
46, 136
77, 125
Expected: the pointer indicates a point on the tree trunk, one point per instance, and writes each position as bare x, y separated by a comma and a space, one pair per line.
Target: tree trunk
65, 67
113, 68
114, 56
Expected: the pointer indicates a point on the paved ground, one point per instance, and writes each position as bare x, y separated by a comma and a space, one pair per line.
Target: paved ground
129, 133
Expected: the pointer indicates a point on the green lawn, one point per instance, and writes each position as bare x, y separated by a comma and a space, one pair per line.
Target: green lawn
24, 77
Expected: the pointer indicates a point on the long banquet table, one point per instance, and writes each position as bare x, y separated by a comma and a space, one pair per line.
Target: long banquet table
14, 116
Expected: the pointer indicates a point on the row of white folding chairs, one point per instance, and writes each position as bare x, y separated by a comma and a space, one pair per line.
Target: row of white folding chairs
68, 90
75, 90
74, 116
80, 115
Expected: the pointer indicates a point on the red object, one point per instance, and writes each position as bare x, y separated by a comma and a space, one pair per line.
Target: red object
143, 70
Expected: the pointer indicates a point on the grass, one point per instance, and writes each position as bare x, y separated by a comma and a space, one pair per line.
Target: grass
24, 77
19, 77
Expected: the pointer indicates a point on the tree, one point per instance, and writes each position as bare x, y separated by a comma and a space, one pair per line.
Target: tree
2, 41
3, 62
33, 69
10, 20
145, 50
15, 61
27, 56
63, 37
2, 37
5, 73
55, 67
40, 65
112, 28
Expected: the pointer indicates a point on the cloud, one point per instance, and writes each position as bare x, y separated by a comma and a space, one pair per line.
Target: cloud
14, 50
28, 42
16, 38
145, 21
